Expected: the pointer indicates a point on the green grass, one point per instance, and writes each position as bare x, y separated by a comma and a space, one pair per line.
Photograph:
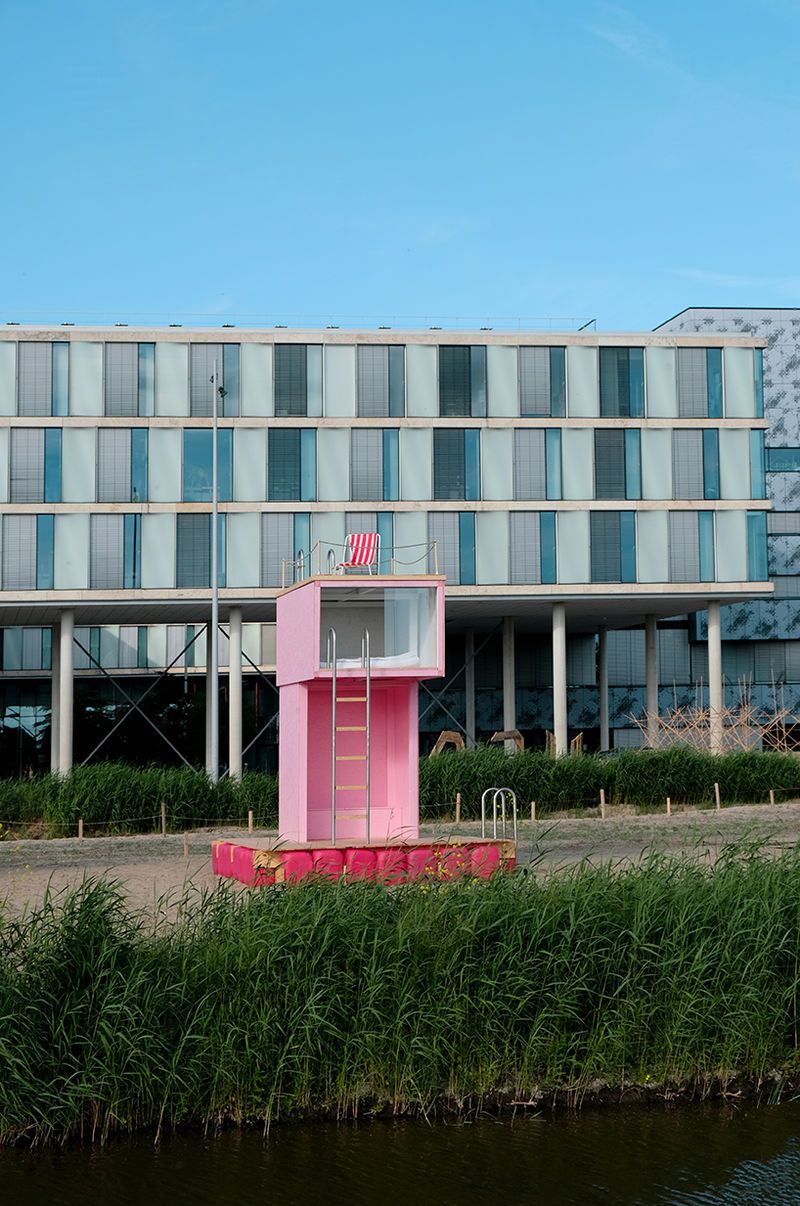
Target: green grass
338, 999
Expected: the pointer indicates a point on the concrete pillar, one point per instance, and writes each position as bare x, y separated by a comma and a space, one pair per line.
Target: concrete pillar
65, 691
469, 686
651, 677
560, 678
715, 697
602, 675
235, 694
509, 681
55, 700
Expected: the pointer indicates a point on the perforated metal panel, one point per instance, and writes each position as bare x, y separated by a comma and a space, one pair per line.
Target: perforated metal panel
373, 381
121, 379
455, 389
19, 552
26, 477
201, 373
283, 464
443, 528
692, 383
291, 379
449, 464
193, 564
106, 552
614, 382
366, 464
534, 381
684, 548
687, 464
530, 464
605, 546
609, 463
114, 464
781, 523
277, 540
35, 379
525, 547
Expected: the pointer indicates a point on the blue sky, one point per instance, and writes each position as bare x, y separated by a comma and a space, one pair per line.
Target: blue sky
252, 161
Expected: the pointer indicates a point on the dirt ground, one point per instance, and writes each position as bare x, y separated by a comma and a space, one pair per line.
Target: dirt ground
149, 866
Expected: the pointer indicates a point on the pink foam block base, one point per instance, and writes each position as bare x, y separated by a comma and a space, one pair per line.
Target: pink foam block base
388, 864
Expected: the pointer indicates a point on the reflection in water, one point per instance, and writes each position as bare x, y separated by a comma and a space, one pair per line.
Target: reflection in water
681, 1157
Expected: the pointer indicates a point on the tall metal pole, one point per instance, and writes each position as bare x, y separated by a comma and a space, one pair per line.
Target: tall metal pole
212, 644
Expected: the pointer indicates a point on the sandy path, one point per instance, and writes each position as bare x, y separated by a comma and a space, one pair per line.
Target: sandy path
148, 866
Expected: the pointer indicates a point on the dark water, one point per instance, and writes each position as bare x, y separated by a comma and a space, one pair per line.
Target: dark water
681, 1157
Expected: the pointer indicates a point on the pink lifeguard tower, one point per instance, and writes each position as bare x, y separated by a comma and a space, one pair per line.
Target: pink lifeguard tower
352, 649
351, 652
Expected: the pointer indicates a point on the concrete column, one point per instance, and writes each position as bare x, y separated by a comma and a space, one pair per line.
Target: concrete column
602, 675
509, 681
55, 700
560, 678
209, 690
651, 677
235, 693
469, 686
715, 698
65, 691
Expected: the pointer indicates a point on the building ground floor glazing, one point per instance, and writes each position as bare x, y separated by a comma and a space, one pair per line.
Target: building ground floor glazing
498, 676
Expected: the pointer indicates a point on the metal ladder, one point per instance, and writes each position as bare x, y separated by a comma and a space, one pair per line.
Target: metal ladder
364, 728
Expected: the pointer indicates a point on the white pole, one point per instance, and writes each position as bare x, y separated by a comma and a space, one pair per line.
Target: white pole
560, 678
65, 691
605, 736
213, 643
715, 698
651, 677
235, 694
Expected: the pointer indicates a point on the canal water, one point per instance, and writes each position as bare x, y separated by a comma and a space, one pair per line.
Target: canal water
684, 1156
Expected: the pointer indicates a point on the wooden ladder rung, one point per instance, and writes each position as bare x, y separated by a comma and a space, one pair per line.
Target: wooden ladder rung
350, 816
351, 787
351, 757
351, 728
351, 699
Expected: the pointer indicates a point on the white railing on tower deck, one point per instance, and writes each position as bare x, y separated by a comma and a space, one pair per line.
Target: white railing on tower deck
324, 557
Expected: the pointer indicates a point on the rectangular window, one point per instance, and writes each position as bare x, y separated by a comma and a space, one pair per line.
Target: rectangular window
758, 370
687, 464
366, 464
52, 465
381, 381
19, 552
132, 569
758, 482
700, 383
456, 464
44, 551
462, 381
552, 448
547, 533
60, 378
705, 538
198, 464
278, 544
542, 382
391, 464
711, 463
308, 464
193, 567
530, 463
757, 546
34, 379
466, 547
139, 448
147, 379
122, 464
633, 463
684, 549
621, 382
613, 546
783, 460
385, 527
203, 357
26, 473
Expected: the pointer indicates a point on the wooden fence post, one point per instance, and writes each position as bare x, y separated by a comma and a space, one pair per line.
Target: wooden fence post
533, 812
669, 807
80, 829
458, 808
163, 819
602, 802
185, 844
716, 796
249, 820
772, 795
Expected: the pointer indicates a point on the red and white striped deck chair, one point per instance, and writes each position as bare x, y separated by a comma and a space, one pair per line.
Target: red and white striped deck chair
362, 551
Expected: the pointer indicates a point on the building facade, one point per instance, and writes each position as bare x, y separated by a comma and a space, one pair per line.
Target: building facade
586, 495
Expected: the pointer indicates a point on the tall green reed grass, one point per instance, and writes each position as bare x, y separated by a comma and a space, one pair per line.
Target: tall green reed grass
340, 999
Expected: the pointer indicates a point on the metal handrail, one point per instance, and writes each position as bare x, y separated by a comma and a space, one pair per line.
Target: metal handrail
499, 793
366, 663
332, 664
